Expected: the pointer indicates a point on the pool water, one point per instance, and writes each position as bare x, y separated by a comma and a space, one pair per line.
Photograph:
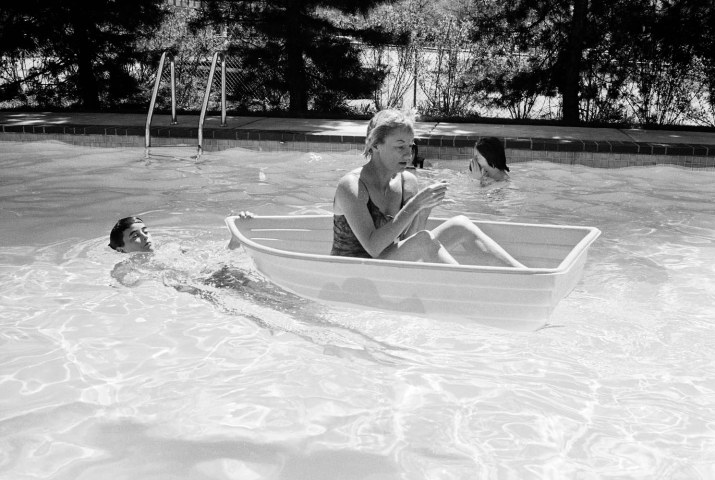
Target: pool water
188, 364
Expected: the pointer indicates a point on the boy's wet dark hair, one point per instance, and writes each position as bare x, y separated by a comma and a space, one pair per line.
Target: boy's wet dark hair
492, 149
116, 236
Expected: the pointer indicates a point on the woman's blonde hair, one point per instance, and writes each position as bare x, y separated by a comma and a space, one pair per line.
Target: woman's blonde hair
384, 123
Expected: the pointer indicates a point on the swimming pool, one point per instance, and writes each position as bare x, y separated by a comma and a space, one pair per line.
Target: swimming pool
160, 373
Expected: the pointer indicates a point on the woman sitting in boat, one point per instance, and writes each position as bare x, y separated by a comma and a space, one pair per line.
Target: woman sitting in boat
489, 160
380, 211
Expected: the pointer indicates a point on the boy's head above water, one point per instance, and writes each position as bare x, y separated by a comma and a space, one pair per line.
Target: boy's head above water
130, 235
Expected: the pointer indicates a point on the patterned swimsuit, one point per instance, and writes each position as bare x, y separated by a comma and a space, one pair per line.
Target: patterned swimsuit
345, 243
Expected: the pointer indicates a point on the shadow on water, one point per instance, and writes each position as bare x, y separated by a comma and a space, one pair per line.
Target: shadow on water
131, 446
241, 292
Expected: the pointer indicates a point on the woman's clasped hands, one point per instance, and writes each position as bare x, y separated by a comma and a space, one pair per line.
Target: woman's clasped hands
430, 196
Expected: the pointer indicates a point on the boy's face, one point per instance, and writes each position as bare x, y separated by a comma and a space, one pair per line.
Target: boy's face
137, 239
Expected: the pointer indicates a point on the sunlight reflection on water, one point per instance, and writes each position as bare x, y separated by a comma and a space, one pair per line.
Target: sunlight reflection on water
202, 369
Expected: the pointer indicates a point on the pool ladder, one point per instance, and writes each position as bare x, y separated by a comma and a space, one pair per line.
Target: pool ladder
204, 105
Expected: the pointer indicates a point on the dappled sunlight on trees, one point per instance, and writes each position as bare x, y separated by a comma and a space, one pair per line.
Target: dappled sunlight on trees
643, 61
74, 52
311, 57
575, 61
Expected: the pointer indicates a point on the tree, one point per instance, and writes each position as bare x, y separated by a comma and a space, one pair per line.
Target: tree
190, 49
654, 54
433, 65
400, 59
300, 47
606, 57
83, 48
550, 35
689, 28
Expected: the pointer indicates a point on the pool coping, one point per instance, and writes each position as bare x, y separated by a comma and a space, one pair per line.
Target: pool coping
595, 147
426, 140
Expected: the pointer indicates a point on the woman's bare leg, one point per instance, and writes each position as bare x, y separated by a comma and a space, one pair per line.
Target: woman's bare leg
459, 230
422, 246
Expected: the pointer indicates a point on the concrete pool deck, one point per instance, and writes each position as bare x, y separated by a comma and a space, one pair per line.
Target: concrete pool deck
600, 147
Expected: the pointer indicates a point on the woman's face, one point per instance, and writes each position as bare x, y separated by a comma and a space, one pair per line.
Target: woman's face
396, 151
137, 239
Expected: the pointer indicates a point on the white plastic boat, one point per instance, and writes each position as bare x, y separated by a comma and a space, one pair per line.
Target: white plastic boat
294, 253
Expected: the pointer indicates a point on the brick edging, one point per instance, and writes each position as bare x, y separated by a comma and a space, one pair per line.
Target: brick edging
452, 141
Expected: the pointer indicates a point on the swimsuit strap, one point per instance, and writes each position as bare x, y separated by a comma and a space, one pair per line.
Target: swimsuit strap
345, 242
402, 194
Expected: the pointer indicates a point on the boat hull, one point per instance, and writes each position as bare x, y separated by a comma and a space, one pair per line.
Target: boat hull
505, 297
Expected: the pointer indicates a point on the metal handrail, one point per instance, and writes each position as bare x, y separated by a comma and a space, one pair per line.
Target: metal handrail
207, 95
155, 92
173, 92
223, 90
204, 106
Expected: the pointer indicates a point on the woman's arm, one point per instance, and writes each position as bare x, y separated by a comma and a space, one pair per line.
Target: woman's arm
410, 189
351, 199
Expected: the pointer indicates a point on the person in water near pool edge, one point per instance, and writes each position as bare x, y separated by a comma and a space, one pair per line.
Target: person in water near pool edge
417, 161
379, 211
130, 235
489, 159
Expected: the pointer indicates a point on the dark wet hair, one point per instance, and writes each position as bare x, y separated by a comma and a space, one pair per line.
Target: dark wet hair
492, 149
417, 161
116, 236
